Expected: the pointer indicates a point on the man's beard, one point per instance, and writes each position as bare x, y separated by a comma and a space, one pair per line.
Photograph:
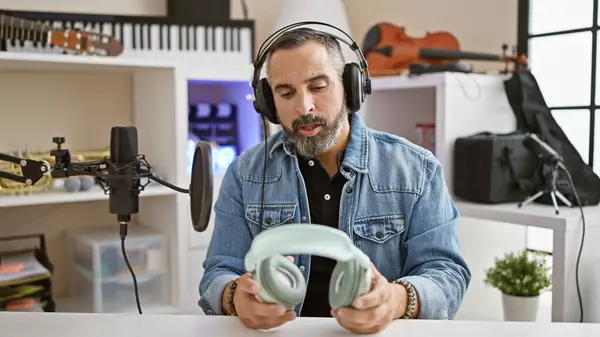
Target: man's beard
310, 147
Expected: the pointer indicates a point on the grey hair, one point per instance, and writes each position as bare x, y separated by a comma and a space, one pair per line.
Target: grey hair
297, 37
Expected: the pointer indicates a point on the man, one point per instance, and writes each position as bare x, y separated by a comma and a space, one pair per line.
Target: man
386, 193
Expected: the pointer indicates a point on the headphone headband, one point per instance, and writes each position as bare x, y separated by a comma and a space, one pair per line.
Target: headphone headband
265, 46
304, 239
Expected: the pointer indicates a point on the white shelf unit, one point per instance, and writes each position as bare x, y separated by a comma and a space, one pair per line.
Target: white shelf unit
81, 98
60, 196
565, 230
215, 86
461, 105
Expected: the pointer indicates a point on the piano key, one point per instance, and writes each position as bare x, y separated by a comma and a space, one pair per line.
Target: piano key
127, 31
230, 39
118, 31
182, 38
107, 28
208, 38
96, 27
89, 26
164, 30
218, 37
155, 38
174, 38
135, 40
146, 37
200, 39
143, 38
236, 39
192, 42
78, 25
245, 42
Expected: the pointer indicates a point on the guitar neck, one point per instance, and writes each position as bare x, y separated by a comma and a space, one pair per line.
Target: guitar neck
17, 29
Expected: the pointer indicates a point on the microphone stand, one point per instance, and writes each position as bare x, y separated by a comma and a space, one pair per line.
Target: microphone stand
550, 187
33, 171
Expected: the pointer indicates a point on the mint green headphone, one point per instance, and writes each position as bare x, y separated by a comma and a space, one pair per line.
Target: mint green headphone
282, 282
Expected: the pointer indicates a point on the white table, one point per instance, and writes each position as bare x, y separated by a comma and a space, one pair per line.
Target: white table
566, 228
133, 325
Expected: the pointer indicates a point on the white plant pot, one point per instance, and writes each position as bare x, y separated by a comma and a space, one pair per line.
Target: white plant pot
517, 308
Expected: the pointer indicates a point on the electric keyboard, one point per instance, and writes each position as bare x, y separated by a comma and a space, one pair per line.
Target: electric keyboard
152, 37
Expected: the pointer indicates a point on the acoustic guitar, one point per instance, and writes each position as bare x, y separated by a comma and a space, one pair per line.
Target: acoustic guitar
78, 41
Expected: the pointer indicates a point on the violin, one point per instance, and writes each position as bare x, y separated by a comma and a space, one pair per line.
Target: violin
389, 50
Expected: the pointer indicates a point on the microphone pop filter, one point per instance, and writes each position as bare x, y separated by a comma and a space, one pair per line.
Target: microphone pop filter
201, 186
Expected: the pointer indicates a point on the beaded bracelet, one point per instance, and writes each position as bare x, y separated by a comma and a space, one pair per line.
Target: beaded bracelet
412, 298
230, 303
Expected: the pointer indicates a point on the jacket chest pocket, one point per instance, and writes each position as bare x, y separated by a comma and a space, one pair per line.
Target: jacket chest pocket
379, 229
273, 214
380, 237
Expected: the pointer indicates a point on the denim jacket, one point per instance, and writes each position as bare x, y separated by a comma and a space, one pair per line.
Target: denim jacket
395, 207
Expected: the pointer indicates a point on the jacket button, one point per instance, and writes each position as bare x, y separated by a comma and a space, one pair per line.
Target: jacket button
303, 218
349, 189
301, 268
379, 235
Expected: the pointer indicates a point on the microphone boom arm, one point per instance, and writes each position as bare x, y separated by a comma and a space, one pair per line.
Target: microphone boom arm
108, 174
32, 170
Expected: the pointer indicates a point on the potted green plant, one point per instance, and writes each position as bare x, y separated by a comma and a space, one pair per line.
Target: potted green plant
521, 277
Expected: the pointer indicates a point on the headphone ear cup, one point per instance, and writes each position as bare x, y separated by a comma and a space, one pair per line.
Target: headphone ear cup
280, 282
348, 281
352, 81
263, 101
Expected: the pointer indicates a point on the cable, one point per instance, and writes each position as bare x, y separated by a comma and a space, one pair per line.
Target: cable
262, 194
169, 185
582, 239
123, 233
464, 90
244, 9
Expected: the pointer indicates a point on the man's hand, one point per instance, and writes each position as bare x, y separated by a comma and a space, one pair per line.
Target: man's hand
375, 310
255, 314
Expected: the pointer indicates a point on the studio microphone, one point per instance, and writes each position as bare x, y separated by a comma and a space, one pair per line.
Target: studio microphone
543, 151
124, 173
127, 168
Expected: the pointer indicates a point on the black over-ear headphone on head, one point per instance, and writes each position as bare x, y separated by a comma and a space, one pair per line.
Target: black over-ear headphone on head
356, 79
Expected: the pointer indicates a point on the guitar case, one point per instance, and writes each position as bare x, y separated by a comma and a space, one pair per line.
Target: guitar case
534, 116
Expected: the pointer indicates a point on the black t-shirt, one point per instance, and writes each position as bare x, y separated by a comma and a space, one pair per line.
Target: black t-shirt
324, 201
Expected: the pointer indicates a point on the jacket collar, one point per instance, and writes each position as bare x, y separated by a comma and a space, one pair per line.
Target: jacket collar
356, 154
